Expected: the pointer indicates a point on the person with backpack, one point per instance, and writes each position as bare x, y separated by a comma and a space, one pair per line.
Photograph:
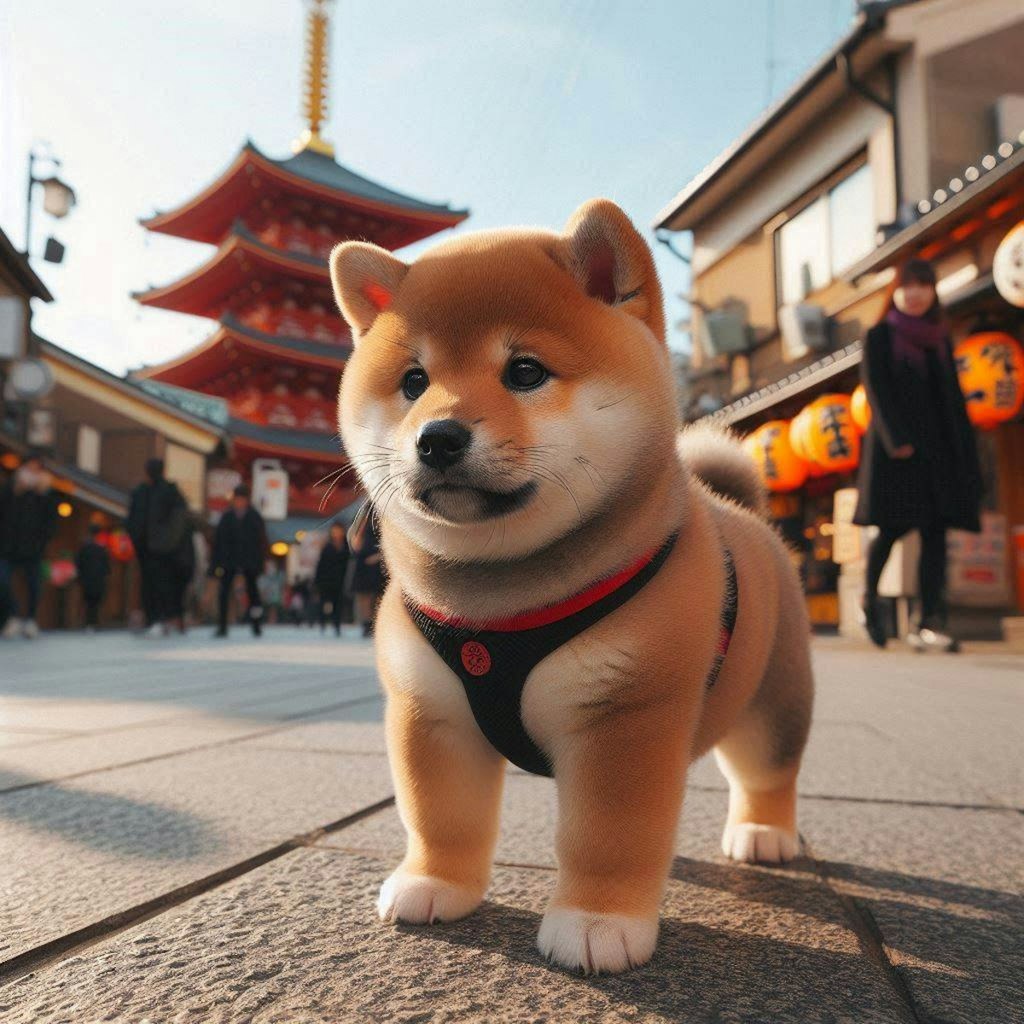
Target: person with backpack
157, 522
239, 546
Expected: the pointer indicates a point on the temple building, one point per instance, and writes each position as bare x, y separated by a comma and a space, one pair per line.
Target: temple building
279, 346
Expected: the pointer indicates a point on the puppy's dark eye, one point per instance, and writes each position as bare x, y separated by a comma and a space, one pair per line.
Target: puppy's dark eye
525, 374
414, 383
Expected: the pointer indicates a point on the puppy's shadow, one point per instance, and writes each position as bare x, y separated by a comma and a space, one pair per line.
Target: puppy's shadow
713, 958
698, 973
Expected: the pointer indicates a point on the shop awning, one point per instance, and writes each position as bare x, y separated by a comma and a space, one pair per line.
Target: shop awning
970, 196
810, 377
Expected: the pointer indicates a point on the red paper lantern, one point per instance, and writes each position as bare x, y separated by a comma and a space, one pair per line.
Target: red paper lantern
780, 467
120, 546
831, 439
990, 366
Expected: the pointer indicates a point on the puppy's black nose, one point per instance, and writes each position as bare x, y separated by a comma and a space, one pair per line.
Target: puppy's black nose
442, 443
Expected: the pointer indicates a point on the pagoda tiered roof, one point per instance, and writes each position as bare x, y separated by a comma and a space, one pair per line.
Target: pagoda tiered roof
365, 208
240, 260
233, 342
261, 439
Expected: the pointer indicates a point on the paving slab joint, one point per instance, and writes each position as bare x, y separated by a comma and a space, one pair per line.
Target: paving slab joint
75, 941
869, 937
293, 721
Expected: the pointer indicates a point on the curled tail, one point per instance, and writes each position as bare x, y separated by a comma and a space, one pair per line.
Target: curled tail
714, 455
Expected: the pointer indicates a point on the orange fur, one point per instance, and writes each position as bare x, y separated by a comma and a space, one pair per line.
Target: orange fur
621, 709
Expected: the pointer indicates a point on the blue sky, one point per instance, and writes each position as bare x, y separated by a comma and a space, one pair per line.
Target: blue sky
517, 109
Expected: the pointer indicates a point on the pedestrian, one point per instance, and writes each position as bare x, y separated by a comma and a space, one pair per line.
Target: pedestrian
196, 591
93, 564
182, 569
157, 521
368, 578
330, 577
920, 469
28, 519
271, 588
239, 546
296, 602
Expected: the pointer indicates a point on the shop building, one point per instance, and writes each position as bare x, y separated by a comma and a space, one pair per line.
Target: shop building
100, 431
906, 139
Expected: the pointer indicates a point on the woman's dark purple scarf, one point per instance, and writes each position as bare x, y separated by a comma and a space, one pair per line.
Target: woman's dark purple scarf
913, 337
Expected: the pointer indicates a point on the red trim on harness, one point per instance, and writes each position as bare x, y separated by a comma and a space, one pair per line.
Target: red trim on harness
724, 639
552, 612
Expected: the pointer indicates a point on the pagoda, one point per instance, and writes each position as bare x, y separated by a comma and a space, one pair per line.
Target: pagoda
279, 346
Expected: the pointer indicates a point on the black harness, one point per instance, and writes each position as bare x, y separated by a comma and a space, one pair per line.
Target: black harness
494, 661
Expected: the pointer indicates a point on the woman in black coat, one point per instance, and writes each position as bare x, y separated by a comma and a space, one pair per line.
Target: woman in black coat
368, 578
330, 577
919, 469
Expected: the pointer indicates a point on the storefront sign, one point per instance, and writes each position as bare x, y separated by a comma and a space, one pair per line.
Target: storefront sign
846, 536
270, 489
977, 574
29, 379
13, 314
304, 554
1008, 266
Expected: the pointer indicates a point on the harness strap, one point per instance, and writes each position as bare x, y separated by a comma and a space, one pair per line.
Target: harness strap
493, 660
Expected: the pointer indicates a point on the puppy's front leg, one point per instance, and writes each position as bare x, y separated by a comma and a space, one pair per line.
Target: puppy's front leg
620, 788
448, 782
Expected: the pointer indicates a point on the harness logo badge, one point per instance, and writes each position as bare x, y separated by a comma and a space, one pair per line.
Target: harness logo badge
476, 659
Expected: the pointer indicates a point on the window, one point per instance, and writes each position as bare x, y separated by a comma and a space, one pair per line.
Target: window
88, 454
826, 237
803, 253
851, 220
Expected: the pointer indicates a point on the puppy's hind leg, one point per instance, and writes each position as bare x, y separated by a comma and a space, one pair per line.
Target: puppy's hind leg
760, 755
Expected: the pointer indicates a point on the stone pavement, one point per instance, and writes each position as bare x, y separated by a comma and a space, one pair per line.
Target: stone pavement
195, 831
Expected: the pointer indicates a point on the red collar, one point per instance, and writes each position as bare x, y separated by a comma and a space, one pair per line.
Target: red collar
552, 612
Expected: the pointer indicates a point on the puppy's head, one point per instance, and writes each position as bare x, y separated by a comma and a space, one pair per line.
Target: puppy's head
507, 386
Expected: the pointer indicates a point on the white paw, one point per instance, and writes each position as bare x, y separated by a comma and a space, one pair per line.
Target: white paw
761, 844
420, 899
596, 943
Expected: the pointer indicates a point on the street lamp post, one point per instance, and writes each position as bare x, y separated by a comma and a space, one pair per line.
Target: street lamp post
58, 201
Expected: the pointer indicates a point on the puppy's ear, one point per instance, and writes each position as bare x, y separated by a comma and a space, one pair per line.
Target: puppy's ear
365, 278
613, 264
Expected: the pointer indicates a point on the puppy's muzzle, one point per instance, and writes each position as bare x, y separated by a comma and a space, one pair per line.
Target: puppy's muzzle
442, 443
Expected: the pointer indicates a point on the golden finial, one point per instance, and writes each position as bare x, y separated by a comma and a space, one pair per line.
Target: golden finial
314, 107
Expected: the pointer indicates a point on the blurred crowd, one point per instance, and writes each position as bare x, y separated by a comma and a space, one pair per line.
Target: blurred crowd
188, 573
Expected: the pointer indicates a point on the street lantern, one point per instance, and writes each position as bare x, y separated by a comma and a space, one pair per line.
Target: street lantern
58, 198
58, 201
53, 252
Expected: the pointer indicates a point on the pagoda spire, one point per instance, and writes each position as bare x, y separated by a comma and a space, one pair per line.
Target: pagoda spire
314, 105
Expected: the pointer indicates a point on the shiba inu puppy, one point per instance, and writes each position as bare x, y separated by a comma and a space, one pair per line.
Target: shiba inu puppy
572, 583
